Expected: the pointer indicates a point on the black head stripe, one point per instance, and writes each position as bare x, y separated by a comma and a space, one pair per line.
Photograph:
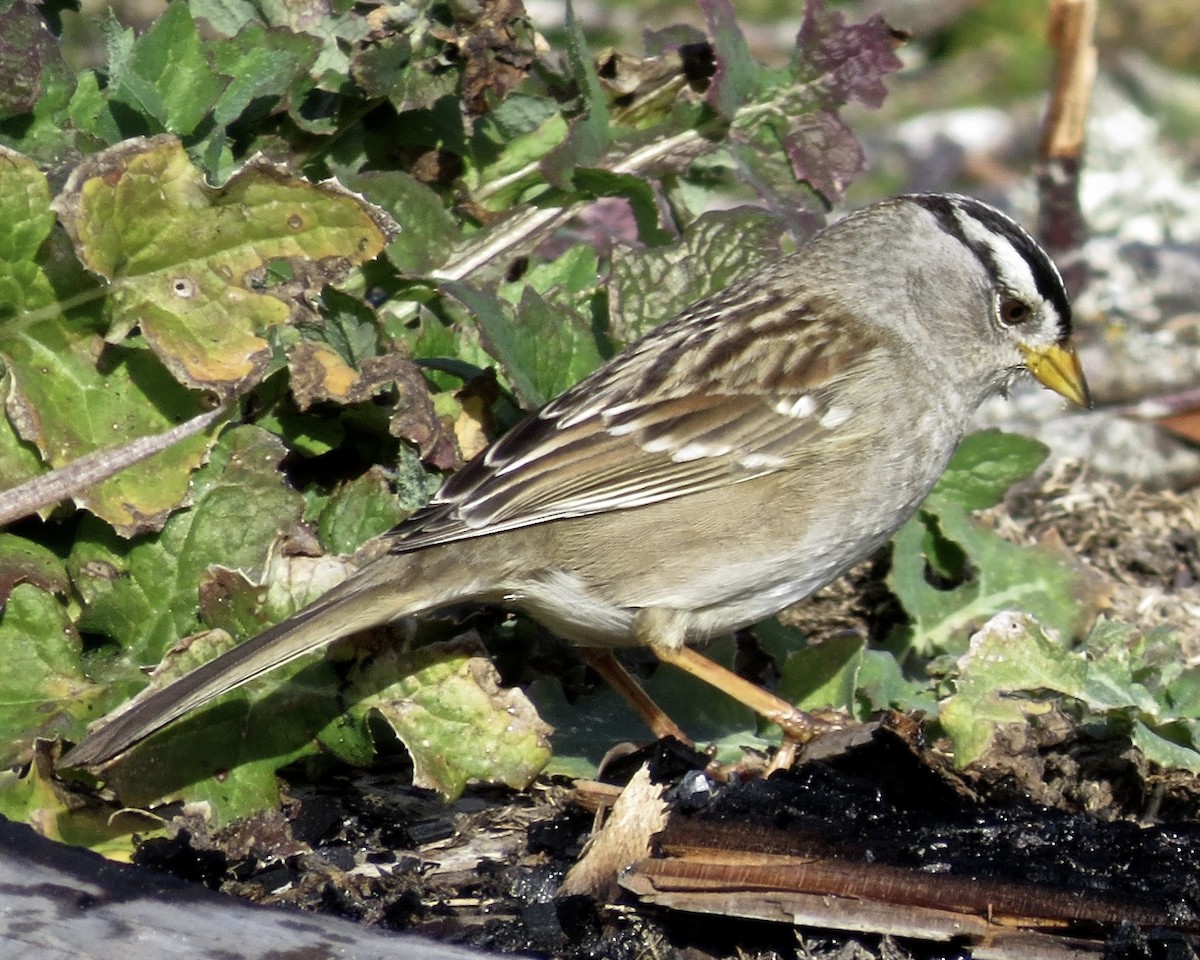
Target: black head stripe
1045, 275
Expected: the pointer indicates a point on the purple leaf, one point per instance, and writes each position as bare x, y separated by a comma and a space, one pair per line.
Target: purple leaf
849, 62
823, 151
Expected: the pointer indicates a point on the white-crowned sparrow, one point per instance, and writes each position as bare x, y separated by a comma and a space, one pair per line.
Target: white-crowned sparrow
729, 463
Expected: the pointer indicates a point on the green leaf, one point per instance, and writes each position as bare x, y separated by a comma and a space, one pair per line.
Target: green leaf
446, 705
427, 232
358, 510
984, 467
1184, 694
1011, 666
87, 101
500, 338
1048, 583
882, 686
227, 17
649, 286
263, 64
165, 79
144, 594
510, 141
72, 394
824, 675
1168, 751
226, 756
1011, 654
43, 690
737, 73
34, 794
351, 328
245, 605
196, 267
590, 133
25, 222
548, 343
24, 561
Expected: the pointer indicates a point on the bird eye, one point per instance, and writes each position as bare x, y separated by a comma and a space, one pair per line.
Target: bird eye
1014, 311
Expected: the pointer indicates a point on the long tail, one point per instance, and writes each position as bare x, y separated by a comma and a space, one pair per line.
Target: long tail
390, 587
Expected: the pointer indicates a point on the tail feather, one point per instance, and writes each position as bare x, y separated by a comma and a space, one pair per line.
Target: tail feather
373, 596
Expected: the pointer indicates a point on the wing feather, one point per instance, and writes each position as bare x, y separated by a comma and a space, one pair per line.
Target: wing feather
734, 389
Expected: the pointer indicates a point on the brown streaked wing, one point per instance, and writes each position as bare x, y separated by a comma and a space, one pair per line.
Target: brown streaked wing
647, 428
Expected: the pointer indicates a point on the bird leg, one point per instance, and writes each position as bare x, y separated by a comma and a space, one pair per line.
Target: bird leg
661, 630
605, 663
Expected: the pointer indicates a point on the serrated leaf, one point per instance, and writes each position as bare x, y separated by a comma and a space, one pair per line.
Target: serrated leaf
351, 328
445, 703
590, 132
197, 267
382, 67
542, 349
165, 78
263, 65
566, 345
649, 286
358, 510
1110, 686
849, 62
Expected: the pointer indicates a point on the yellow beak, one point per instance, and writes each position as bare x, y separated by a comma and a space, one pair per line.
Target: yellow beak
1057, 367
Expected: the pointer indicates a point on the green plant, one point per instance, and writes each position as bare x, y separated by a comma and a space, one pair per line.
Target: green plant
266, 277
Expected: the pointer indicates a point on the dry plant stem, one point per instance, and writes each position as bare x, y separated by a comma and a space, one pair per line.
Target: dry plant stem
605, 663
47, 489
531, 225
732, 856
1071, 32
